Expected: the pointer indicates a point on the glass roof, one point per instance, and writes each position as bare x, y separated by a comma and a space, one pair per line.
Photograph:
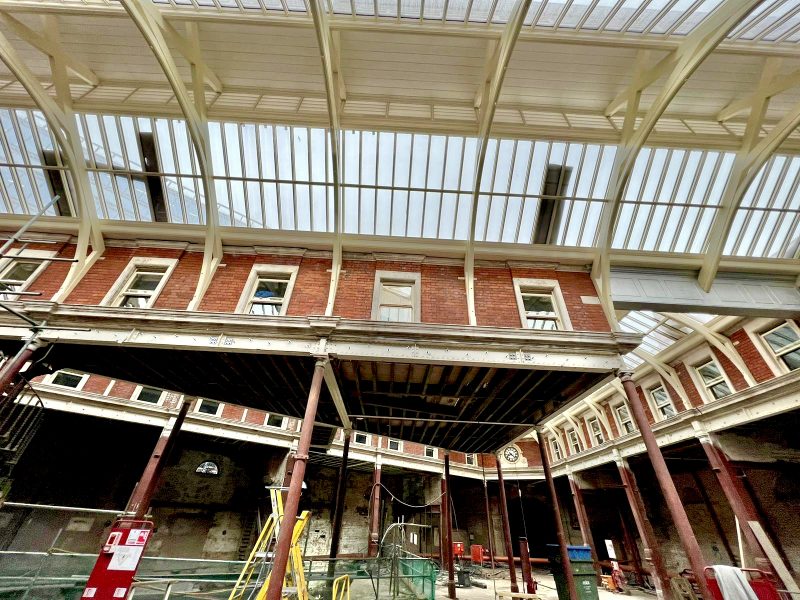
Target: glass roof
659, 332
772, 21
403, 184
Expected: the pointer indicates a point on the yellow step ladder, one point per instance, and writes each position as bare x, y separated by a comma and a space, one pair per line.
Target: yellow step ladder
259, 563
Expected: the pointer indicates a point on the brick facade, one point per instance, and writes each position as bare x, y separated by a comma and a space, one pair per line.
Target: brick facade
752, 357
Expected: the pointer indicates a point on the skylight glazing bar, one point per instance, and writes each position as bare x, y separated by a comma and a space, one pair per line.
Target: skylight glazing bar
757, 16
560, 19
695, 244
664, 12
764, 217
671, 202
786, 19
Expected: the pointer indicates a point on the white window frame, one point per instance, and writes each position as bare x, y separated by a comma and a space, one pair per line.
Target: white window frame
620, 423
138, 390
7, 263
574, 442
368, 437
412, 278
594, 434
705, 388
137, 263
555, 450
542, 286
469, 459
398, 442
654, 403
435, 452
265, 270
220, 407
774, 359
84, 378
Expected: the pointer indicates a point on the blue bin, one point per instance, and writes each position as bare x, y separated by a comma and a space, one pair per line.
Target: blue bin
579, 553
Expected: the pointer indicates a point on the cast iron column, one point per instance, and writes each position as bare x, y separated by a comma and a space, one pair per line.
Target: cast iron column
284, 542
512, 571
583, 523
488, 518
143, 492
630, 545
375, 523
525, 563
737, 497
562, 539
338, 511
652, 552
451, 573
14, 365
673, 500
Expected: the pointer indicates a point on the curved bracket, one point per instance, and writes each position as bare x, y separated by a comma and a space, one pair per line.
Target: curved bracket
669, 375
153, 28
718, 341
65, 131
490, 92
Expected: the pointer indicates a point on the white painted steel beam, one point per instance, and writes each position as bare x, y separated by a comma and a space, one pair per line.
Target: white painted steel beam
156, 30
489, 95
336, 396
50, 46
751, 157
329, 49
63, 126
774, 87
677, 68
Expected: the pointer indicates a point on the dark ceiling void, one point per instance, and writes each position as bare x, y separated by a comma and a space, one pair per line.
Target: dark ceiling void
463, 408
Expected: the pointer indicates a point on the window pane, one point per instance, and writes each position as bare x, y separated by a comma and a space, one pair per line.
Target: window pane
275, 421
792, 359
538, 304
542, 324
134, 301
709, 372
720, 390
781, 337
148, 394
271, 289
396, 293
20, 271
667, 410
208, 407
146, 281
67, 379
622, 412
266, 309
660, 396
396, 314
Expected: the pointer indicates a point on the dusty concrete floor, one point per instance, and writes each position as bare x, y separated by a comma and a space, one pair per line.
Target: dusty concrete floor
546, 589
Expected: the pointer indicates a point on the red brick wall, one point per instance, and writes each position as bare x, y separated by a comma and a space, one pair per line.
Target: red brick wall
677, 401
180, 287
646, 405
735, 375
611, 420
311, 287
688, 384
122, 389
496, 302
105, 272
96, 384
354, 295
233, 412
256, 417
53, 275
752, 358
530, 450
444, 297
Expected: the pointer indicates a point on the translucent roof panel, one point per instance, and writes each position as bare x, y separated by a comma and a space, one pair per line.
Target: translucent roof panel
31, 171
671, 199
659, 332
766, 224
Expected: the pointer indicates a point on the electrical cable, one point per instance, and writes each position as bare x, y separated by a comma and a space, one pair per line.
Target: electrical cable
396, 499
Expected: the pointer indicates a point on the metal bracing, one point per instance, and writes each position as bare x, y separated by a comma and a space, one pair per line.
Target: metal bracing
677, 66
553, 432
329, 49
753, 154
489, 95
157, 31
667, 373
578, 430
61, 120
718, 341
